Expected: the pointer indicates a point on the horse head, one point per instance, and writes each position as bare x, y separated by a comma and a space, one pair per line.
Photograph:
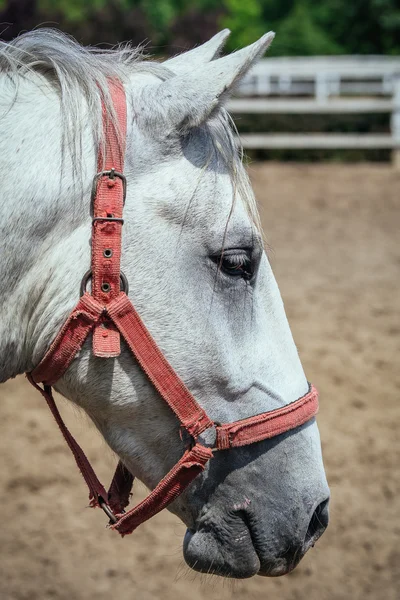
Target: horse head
199, 277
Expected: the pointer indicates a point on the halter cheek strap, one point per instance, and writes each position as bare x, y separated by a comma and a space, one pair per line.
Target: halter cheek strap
107, 313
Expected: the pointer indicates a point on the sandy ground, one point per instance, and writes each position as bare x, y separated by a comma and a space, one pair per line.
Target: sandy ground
335, 234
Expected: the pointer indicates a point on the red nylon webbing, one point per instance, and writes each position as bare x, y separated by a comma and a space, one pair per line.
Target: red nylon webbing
69, 341
119, 491
94, 485
170, 487
269, 424
106, 235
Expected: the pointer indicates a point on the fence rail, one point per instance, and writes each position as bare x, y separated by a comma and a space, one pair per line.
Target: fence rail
325, 85
334, 105
316, 141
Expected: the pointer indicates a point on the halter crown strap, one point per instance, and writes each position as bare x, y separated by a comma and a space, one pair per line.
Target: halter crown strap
108, 313
108, 198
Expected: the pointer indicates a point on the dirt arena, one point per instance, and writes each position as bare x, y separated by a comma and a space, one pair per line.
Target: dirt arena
335, 234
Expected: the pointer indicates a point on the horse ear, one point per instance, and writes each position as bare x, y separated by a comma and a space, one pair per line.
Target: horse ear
200, 55
191, 97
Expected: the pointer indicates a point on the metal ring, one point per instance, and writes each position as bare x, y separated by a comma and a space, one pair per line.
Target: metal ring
124, 285
104, 506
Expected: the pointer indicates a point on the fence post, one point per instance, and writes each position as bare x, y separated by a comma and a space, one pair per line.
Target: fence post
321, 87
395, 122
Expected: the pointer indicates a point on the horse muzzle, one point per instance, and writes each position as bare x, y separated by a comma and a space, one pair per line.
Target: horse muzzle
235, 545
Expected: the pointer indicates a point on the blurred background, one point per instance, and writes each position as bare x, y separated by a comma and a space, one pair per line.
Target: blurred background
334, 28
320, 121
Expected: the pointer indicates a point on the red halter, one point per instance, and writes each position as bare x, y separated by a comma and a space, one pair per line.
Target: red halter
108, 313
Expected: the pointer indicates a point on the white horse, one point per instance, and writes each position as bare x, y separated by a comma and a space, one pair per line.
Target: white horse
199, 277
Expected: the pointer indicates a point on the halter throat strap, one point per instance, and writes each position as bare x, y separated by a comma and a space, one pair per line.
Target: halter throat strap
107, 314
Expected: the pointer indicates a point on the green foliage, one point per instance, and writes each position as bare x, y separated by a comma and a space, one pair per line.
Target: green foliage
244, 19
160, 14
299, 35
72, 10
361, 26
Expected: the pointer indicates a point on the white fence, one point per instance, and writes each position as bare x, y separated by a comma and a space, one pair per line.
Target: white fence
337, 84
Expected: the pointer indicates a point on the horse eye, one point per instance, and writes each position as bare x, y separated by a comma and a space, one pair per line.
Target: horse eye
236, 262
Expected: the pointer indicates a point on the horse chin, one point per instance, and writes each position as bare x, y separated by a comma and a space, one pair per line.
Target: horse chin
205, 551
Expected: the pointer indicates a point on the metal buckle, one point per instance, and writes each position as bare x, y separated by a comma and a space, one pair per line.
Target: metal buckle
104, 507
111, 174
112, 219
124, 285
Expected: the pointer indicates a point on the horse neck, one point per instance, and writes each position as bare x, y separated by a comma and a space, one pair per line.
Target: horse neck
44, 225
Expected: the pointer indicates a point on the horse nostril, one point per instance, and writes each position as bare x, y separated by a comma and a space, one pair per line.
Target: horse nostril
318, 524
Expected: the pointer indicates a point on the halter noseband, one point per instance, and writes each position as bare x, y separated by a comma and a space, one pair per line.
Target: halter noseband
108, 313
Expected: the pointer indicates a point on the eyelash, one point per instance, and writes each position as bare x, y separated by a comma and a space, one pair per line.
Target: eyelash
236, 262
